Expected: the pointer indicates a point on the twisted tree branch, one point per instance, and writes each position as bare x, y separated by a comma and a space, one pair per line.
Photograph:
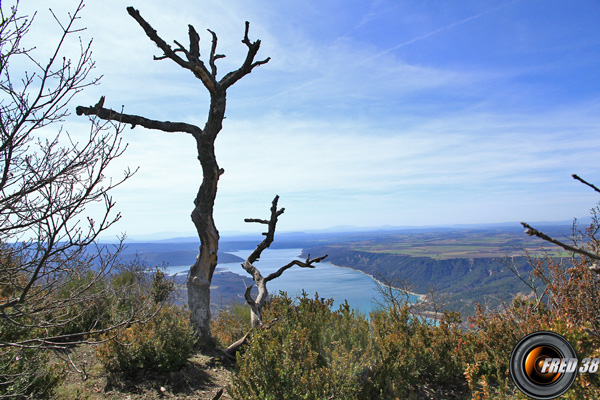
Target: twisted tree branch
249, 63
261, 282
534, 232
304, 264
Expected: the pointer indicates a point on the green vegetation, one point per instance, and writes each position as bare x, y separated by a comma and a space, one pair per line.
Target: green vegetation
28, 373
313, 352
308, 350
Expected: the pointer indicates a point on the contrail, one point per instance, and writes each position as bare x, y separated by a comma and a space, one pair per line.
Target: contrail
400, 45
436, 31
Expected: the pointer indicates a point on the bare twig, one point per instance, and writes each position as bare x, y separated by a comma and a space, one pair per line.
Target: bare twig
218, 395
585, 182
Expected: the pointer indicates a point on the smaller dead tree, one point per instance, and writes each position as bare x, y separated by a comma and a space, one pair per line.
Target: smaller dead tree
257, 304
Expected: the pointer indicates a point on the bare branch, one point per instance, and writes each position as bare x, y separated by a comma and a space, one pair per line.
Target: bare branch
257, 220
576, 177
306, 264
218, 394
270, 235
194, 42
249, 63
534, 232
193, 63
153, 35
111, 115
261, 282
591, 332
233, 348
213, 56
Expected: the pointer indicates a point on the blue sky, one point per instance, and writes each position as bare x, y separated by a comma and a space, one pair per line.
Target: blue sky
369, 113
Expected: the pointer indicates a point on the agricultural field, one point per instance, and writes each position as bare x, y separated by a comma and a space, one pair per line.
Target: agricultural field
457, 244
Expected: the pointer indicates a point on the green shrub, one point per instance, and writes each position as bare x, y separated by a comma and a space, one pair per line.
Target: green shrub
310, 352
164, 343
97, 302
313, 352
90, 305
412, 354
28, 374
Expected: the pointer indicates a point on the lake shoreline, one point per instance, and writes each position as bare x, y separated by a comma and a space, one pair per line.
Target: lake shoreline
421, 297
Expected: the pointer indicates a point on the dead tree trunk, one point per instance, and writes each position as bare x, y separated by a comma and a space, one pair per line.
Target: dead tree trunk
202, 215
257, 304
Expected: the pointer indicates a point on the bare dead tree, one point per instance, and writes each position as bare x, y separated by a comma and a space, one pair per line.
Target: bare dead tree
257, 304
202, 271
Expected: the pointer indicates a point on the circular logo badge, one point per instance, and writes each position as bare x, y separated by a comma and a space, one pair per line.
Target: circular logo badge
543, 365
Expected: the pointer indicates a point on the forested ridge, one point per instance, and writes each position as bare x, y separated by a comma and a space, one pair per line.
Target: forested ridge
462, 281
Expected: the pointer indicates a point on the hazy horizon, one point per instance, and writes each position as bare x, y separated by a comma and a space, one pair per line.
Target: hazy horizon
374, 113
341, 229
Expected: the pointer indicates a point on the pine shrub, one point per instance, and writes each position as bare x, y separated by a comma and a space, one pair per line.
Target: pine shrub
28, 374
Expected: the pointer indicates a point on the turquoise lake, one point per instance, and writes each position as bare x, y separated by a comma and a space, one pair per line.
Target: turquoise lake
326, 279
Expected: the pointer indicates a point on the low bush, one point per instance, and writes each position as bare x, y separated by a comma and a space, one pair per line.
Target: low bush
314, 352
413, 356
310, 352
163, 343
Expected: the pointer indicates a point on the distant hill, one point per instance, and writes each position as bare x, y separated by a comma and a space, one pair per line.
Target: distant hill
461, 281
173, 254
182, 237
